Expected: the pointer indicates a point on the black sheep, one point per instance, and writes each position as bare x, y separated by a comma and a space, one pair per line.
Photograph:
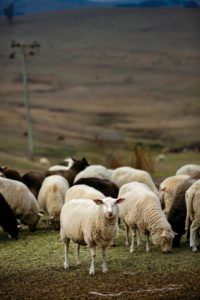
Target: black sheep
177, 213
107, 187
7, 218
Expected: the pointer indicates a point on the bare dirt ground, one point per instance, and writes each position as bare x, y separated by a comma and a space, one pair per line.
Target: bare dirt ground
55, 284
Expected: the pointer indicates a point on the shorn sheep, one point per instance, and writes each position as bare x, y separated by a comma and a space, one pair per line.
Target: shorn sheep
193, 214
92, 223
141, 212
123, 175
167, 188
190, 169
8, 220
21, 201
83, 191
51, 198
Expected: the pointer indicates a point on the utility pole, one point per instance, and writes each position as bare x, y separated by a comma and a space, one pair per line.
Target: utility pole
25, 51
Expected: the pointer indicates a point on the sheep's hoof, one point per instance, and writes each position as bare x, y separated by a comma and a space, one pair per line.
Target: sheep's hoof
132, 250
66, 266
104, 269
194, 249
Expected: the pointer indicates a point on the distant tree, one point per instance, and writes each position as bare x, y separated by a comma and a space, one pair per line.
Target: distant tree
9, 12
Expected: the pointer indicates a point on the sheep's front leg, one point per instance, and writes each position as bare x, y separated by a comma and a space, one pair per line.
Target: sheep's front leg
127, 242
93, 255
66, 251
78, 261
132, 247
147, 244
104, 264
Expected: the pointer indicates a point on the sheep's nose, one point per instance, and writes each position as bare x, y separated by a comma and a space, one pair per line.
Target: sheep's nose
110, 214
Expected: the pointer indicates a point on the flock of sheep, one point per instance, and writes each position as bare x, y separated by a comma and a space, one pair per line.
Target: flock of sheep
87, 202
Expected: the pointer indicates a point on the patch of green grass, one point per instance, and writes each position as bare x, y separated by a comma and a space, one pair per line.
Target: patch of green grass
44, 250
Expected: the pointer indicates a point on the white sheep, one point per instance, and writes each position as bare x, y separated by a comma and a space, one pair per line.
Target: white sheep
192, 198
141, 211
189, 169
97, 171
51, 197
167, 188
92, 223
22, 201
124, 175
83, 191
70, 161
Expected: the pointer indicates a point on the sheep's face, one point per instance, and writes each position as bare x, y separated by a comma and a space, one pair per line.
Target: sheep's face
109, 206
31, 220
166, 241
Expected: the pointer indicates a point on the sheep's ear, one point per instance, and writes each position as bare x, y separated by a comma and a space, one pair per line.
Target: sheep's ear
119, 200
98, 201
41, 213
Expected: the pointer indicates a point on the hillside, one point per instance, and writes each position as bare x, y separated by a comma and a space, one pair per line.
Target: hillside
117, 75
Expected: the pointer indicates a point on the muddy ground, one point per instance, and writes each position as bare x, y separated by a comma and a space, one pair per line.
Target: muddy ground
56, 284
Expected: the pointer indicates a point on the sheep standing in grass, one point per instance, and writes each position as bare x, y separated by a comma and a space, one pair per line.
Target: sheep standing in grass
193, 214
167, 188
92, 223
21, 201
190, 169
141, 211
83, 191
124, 175
51, 198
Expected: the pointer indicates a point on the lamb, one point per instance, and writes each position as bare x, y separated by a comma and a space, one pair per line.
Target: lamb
70, 174
167, 188
189, 169
33, 180
141, 211
8, 220
124, 175
91, 223
97, 171
51, 198
193, 214
21, 201
177, 213
83, 191
107, 187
